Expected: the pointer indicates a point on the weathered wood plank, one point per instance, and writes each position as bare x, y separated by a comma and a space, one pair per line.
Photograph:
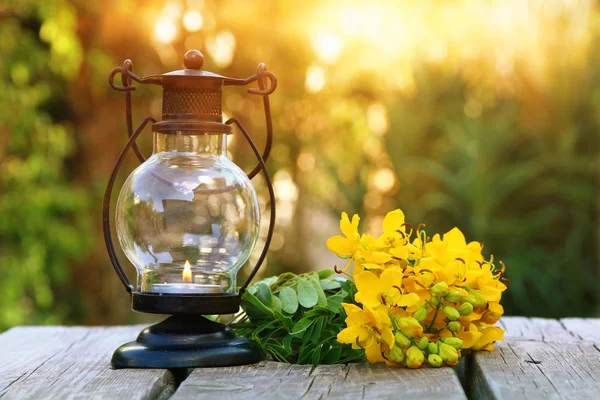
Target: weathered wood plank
536, 329
536, 370
281, 381
73, 363
584, 329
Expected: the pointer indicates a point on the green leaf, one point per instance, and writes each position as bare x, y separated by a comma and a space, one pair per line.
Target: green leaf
289, 300
316, 357
325, 273
301, 326
334, 303
329, 284
317, 330
254, 307
287, 343
276, 303
284, 319
321, 299
333, 355
263, 293
307, 296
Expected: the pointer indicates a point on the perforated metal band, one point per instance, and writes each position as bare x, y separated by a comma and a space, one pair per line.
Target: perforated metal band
182, 100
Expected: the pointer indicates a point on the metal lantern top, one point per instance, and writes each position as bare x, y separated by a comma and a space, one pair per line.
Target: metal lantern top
192, 97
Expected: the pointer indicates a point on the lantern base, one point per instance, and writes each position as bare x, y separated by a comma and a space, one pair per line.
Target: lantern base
186, 341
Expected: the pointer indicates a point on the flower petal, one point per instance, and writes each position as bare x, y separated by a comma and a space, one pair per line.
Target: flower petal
355, 314
391, 277
340, 246
350, 229
367, 282
408, 300
373, 353
388, 337
469, 338
455, 239
348, 335
393, 221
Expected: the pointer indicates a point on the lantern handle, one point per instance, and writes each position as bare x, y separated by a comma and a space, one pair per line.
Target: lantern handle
261, 76
263, 167
127, 76
106, 206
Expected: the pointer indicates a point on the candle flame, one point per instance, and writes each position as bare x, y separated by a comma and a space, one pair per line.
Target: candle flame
187, 272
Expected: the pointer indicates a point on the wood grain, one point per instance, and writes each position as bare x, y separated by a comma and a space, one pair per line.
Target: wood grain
540, 358
536, 329
73, 363
271, 380
536, 370
584, 329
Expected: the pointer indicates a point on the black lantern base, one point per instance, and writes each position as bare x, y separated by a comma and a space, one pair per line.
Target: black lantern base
186, 341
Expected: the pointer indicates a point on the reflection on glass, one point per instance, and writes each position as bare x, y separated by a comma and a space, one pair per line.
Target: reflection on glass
188, 203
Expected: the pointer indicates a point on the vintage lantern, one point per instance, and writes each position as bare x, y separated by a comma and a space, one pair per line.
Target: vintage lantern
188, 219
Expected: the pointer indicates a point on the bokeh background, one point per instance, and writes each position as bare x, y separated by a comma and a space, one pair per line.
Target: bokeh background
478, 114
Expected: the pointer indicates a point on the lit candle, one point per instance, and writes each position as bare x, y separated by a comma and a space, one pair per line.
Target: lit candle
187, 272
187, 287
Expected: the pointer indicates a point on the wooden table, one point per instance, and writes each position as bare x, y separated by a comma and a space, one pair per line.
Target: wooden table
541, 359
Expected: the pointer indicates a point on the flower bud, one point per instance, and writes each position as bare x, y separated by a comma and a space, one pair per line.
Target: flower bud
422, 343
401, 340
454, 342
451, 313
440, 289
434, 360
480, 300
453, 296
469, 299
432, 348
435, 300
448, 354
454, 326
465, 309
420, 314
415, 357
397, 354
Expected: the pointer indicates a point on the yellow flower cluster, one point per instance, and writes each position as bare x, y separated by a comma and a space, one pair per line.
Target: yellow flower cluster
418, 299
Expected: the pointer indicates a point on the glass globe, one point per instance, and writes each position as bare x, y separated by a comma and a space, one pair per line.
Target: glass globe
188, 217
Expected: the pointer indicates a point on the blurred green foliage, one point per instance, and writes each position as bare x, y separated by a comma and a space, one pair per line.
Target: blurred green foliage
367, 118
44, 219
528, 194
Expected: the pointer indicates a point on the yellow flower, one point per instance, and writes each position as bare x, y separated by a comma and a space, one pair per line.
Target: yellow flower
493, 313
393, 230
375, 260
345, 246
469, 336
489, 335
368, 329
452, 246
384, 290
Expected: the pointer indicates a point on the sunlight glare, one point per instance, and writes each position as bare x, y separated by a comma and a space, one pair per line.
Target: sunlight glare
165, 30
328, 46
315, 79
221, 48
193, 21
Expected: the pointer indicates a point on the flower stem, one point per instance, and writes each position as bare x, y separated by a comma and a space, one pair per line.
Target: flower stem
434, 317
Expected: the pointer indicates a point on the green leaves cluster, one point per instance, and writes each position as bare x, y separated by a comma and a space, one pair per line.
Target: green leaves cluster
45, 217
296, 318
